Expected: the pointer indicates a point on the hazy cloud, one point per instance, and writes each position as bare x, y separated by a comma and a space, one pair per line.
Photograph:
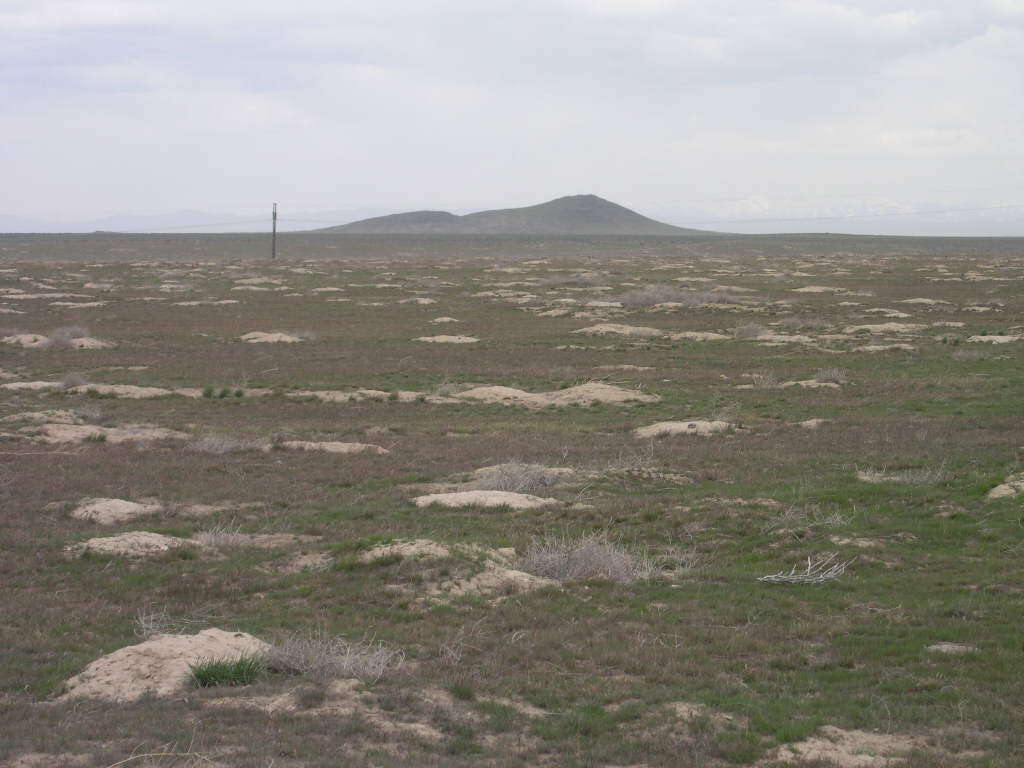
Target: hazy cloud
146, 106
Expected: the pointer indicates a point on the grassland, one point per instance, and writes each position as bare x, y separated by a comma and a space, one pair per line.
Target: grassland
699, 664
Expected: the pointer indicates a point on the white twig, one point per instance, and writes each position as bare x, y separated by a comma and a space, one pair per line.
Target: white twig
817, 572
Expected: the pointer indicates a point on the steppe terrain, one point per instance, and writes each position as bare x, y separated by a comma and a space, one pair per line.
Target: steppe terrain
511, 501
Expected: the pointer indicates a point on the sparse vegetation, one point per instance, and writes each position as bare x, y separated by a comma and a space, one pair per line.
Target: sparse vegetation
222, 536
323, 657
593, 556
657, 645
517, 477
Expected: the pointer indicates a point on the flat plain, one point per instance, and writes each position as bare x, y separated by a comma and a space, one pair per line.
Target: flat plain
512, 501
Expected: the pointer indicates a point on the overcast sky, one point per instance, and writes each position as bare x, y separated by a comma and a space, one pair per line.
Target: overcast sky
704, 107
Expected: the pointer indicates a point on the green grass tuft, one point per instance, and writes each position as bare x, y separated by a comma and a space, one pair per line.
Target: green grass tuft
244, 670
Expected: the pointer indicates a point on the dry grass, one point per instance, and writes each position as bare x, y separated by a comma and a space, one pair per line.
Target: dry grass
593, 556
61, 338
831, 376
750, 331
221, 444
323, 657
222, 536
73, 380
912, 476
764, 380
517, 477
151, 621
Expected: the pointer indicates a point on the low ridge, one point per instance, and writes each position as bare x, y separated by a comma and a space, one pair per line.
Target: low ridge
572, 215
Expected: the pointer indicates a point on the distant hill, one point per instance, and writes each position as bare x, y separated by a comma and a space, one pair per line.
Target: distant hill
573, 215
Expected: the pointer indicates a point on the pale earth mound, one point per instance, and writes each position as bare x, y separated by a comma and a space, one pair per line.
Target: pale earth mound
333, 447
112, 511
158, 666
1013, 485
276, 337
131, 544
484, 499
448, 339
76, 433
847, 749
498, 578
696, 427
583, 394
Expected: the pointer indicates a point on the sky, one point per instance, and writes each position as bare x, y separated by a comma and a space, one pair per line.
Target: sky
688, 110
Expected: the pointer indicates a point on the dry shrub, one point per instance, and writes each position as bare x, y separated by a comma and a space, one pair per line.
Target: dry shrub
517, 477
323, 657
61, 338
831, 376
224, 535
73, 380
912, 476
151, 621
219, 444
593, 556
751, 331
763, 380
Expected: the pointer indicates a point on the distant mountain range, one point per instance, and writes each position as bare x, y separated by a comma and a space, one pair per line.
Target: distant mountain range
572, 215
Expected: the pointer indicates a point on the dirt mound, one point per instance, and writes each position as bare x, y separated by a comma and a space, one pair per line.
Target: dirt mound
885, 348
126, 433
159, 666
46, 417
819, 289
448, 339
812, 423
88, 342
27, 340
484, 499
360, 395
846, 749
583, 394
670, 428
333, 447
412, 549
498, 577
699, 336
276, 337
1014, 485
952, 649
131, 544
810, 384
112, 511
991, 339
615, 329
885, 328
127, 391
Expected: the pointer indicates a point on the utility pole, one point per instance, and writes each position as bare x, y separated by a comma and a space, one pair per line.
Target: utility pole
273, 236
